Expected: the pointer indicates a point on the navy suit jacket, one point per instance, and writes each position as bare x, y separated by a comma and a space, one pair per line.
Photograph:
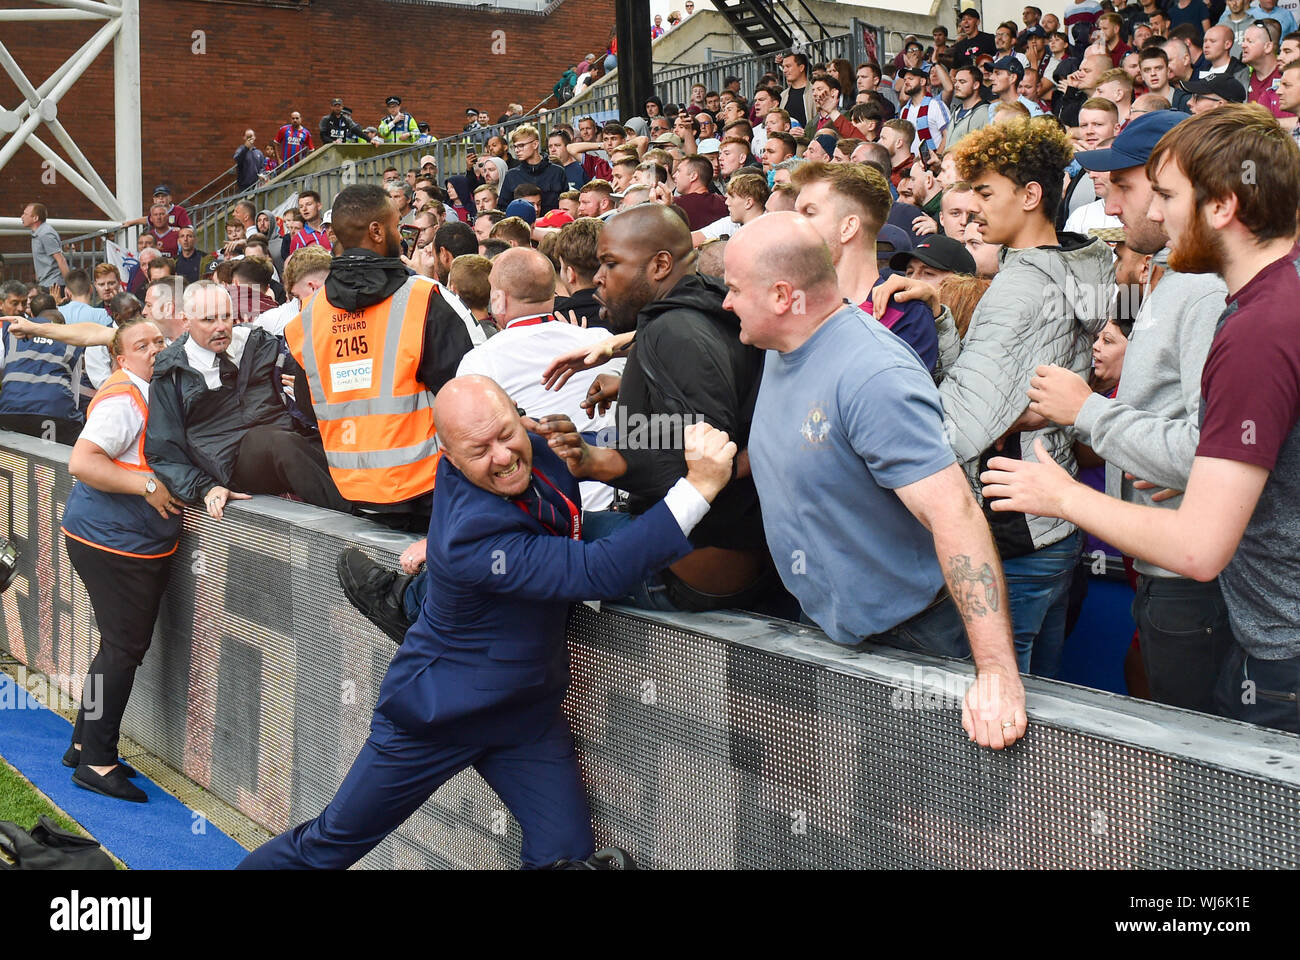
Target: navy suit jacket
486, 662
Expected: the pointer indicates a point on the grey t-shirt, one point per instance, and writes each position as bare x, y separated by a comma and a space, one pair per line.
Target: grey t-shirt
45, 244
840, 423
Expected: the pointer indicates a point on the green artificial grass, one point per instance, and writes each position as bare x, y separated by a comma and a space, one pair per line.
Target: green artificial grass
22, 803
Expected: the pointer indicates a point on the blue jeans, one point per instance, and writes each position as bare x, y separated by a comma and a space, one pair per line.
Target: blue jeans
1038, 588
663, 591
936, 630
1266, 692
651, 593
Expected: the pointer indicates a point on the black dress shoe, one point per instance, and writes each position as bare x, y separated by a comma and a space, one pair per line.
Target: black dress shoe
73, 759
376, 592
112, 784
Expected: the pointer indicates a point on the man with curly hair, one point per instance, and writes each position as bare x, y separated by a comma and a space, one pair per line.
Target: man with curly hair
1047, 302
1239, 517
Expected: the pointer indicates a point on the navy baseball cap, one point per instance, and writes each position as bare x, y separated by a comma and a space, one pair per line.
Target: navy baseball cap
939, 251
1010, 65
523, 209
1217, 85
891, 240
1133, 146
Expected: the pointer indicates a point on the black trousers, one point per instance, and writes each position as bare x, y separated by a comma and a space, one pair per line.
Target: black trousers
1184, 635
125, 593
272, 460
35, 425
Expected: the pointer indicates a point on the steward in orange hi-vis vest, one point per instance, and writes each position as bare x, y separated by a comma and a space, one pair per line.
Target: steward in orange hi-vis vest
368, 368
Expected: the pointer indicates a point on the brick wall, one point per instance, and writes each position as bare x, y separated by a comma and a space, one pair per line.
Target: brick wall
262, 63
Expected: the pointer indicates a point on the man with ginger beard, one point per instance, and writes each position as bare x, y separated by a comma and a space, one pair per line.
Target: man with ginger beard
1240, 515
687, 364
1150, 428
481, 676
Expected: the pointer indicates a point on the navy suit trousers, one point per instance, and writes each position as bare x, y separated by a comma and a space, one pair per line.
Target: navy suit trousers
395, 772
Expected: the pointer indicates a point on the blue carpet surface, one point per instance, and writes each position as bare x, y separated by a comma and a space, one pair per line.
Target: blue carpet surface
162, 834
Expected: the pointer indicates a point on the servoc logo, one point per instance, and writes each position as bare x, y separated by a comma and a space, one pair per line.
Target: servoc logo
106, 914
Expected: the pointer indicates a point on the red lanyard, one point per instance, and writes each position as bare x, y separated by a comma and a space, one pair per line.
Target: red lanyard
531, 321
575, 515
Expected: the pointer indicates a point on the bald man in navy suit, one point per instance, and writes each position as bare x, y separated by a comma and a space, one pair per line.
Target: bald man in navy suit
481, 675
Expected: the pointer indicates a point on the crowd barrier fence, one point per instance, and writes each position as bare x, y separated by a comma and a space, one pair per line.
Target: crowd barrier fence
718, 741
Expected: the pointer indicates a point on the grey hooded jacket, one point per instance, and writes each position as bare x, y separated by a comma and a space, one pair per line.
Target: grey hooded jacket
1152, 425
1045, 306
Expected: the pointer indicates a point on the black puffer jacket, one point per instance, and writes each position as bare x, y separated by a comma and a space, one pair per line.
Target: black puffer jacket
194, 433
688, 360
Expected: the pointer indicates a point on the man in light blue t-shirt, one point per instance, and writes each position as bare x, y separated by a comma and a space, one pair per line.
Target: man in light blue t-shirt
865, 509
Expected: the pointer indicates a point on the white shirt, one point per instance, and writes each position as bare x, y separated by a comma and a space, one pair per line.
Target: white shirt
937, 117
99, 366
758, 142
115, 424
205, 361
1091, 216
274, 321
724, 227
684, 502
515, 359
476, 334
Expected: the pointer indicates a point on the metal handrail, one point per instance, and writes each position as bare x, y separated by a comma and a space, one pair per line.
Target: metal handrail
815, 19
449, 151
674, 85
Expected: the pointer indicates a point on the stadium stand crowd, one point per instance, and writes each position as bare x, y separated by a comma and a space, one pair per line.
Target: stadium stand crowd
957, 311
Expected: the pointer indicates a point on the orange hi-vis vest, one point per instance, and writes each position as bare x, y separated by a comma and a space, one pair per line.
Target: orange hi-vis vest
119, 382
121, 523
374, 414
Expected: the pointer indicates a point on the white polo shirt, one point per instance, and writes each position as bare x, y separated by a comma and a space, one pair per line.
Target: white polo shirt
515, 359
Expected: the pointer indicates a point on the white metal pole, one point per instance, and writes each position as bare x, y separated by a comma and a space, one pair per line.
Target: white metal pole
49, 15
126, 109
74, 177
16, 139
13, 226
104, 197
93, 6
78, 62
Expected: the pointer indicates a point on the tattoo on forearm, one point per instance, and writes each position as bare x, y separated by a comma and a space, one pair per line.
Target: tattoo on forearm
975, 591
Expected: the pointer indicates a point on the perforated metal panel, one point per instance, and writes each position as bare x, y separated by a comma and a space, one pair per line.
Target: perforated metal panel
711, 742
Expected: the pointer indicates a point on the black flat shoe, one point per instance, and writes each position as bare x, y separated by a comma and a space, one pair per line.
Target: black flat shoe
73, 759
112, 784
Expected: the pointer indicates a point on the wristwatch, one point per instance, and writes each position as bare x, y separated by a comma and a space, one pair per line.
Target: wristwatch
150, 486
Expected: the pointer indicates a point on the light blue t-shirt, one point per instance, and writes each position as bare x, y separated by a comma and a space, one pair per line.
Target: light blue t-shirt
840, 423
76, 312
1285, 19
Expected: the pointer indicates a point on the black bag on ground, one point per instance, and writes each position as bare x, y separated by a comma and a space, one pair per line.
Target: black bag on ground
49, 847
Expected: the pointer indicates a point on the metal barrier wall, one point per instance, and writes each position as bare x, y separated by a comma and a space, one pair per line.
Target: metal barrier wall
718, 741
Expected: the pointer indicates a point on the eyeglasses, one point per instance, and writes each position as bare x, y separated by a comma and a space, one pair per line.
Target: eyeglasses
520, 144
